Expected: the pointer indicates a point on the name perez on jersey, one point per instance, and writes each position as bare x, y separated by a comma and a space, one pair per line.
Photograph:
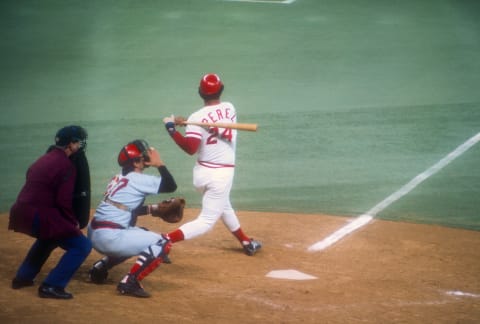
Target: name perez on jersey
219, 114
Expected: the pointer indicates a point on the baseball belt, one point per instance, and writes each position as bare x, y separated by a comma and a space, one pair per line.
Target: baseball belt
96, 224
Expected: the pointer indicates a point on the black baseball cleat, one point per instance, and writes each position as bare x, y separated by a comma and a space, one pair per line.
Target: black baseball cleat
45, 291
166, 259
166, 249
20, 283
132, 287
98, 274
252, 247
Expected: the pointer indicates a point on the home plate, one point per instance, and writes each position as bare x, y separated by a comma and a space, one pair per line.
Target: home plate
290, 274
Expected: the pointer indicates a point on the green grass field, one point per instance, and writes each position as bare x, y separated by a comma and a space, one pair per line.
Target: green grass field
353, 99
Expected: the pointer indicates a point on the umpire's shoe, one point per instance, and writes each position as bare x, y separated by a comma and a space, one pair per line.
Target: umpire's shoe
252, 247
20, 283
46, 291
132, 287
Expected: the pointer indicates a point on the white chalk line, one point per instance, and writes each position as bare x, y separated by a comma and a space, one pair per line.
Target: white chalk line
368, 216
458, 293
322, 307
265, 1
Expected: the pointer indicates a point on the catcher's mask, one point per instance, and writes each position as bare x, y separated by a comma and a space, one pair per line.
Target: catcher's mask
71, 134
211, 87
133, 152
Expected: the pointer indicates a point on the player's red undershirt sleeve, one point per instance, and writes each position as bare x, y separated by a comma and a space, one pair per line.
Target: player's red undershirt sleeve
188, 144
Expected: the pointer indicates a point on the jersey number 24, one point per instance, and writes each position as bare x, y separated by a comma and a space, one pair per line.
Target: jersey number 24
215, 134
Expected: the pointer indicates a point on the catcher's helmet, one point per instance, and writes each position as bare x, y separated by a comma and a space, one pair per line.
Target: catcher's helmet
210, 85
72, 133
133, 151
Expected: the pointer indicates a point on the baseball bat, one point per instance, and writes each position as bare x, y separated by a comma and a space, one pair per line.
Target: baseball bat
238, 126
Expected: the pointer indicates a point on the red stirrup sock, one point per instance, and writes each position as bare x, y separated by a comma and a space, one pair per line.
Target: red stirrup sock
135, 268
175, 236
244, 239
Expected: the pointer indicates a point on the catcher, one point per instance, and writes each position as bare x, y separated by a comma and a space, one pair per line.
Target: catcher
113, 229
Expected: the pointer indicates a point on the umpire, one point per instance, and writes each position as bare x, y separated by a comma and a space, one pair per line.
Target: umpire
44, 209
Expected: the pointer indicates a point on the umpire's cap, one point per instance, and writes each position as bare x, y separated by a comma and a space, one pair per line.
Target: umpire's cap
72, 133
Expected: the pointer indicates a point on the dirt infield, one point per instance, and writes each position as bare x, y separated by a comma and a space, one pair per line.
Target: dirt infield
387, 272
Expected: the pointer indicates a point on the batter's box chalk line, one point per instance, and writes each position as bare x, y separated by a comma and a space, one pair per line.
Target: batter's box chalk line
290, 275
459, 293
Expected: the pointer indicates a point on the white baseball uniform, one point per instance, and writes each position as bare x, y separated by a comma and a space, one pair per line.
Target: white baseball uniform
214, 170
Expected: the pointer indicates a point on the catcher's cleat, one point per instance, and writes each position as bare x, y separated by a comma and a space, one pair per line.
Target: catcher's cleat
20, 283
132, 287
252, 247
166, 259
98, 273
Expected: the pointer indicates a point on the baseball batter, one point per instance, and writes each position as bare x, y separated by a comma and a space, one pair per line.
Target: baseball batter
112, 229
214, 170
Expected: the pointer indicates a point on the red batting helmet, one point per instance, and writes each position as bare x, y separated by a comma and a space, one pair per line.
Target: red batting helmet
131, 151
210, 85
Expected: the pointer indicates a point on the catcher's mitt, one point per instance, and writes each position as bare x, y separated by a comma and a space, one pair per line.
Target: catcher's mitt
170, 210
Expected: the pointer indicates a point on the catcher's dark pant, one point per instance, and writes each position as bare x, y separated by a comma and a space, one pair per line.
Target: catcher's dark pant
76, 251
